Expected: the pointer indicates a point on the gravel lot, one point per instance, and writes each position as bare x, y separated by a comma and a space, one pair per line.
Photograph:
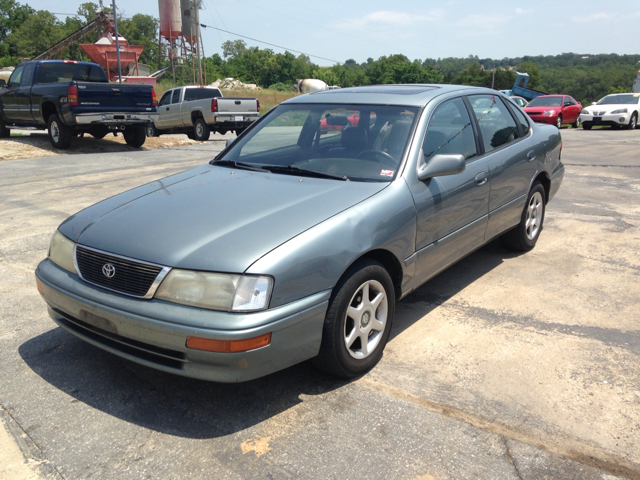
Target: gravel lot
504, 366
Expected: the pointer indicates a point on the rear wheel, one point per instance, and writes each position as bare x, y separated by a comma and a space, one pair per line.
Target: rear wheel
358, 321
135, 136
59, 133
524, 236
559, 122
4, 131
201, 131
577, 123
633, 122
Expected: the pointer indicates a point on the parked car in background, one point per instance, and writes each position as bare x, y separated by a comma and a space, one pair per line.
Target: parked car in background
521, 102
616, 110
332, 124
68, 98
555, 110
291, 245
198, 111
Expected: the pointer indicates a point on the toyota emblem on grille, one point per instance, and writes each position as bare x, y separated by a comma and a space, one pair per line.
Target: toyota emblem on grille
108, 270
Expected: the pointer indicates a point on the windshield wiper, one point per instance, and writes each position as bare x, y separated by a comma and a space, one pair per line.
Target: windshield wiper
289, 170
239, 165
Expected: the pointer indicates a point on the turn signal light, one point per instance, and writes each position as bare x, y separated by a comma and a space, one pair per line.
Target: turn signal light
72, 95
228, 346
39, 286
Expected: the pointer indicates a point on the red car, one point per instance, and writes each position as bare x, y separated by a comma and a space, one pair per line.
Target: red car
352, 116
555, 110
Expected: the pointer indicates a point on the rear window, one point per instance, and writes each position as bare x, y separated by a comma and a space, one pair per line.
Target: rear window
201, 94
67, 72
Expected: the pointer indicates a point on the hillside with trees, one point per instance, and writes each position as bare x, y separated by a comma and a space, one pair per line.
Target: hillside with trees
25, 32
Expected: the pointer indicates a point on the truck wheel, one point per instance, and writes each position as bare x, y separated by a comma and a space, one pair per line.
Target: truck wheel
152, 131
4, 131
135, 136
59, 133
239, 131
99, 132
201, 130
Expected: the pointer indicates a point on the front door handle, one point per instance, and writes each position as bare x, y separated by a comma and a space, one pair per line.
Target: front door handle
531, 155
167, 108
481, 178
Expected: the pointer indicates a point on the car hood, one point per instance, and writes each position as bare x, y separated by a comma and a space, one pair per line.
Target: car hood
212, 218
610, 108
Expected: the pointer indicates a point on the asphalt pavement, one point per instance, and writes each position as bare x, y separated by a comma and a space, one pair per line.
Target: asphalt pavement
502, 367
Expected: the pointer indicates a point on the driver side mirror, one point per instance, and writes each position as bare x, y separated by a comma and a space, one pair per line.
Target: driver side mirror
440, 165
230, 141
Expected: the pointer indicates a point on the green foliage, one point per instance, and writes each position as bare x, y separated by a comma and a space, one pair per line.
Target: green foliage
282, 87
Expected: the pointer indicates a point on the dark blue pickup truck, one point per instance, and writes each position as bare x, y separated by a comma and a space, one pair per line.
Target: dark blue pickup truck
68, 98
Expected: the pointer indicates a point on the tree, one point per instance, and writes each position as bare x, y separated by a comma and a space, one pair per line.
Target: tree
36, 34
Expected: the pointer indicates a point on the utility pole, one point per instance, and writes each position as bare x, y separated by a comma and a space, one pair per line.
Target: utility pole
196, 7
115, 26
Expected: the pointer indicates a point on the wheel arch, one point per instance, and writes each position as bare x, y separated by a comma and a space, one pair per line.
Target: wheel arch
388, 260
543, 178
195, 115
47, 109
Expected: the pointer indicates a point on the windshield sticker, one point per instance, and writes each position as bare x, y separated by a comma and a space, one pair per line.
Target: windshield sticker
387, 173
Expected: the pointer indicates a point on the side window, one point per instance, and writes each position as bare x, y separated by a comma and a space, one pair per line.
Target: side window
16, 75
189, 94
27, 75
496, 123
175, 98
165, 99
522, 120
450, 131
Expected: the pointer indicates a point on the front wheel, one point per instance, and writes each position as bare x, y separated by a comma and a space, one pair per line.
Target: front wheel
586, 126
358, 321
152, 131
524, 236
59, 133
633, 122
135, 136
559, 122
4, 131
201, 131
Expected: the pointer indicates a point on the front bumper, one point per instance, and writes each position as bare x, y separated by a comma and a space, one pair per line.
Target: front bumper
606, 119
549, 119
154, 333
116, 118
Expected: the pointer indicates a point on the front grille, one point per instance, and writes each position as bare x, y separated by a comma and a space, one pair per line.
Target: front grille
131, 277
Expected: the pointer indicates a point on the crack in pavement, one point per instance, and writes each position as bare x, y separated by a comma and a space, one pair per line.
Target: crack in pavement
510, 457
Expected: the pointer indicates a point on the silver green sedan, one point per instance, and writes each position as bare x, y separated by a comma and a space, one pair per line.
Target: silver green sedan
297, 240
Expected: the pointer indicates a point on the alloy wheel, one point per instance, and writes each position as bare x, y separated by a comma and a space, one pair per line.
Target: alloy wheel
535, 210
366, 319
55, 131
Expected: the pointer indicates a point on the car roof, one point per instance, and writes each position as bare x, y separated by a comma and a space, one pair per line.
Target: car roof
405, 94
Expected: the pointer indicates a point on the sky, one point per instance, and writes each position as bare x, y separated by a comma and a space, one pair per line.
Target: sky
332, 31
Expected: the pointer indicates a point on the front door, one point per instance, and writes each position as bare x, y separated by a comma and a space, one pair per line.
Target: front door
10, 104
452, 211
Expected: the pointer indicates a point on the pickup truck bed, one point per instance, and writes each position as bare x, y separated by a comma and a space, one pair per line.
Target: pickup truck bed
68, 98
198, 111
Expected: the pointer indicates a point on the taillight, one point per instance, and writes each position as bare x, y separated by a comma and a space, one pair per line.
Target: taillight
214, 104
258, 101
154, 99
72, 95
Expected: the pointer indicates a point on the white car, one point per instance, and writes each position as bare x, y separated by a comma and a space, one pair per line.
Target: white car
521, 102
615, 110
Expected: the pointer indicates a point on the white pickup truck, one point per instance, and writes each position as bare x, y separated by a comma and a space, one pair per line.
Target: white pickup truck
198, 111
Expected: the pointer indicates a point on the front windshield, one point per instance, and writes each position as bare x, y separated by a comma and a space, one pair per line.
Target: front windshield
545, 102
630, 99
354, 142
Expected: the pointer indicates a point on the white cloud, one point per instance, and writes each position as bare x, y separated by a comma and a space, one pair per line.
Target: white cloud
522, 11
386, 18
594, 17
483, 22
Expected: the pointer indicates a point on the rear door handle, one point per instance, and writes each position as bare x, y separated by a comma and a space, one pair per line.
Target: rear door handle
481, 178
531, 155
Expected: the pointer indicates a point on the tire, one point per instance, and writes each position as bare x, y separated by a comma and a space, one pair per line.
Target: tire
59, 133
4, 131
586, 126
99, 132
352, 322
201, 131
239, 131
633, 122
152, 131
135, 136
559, 122
577, 123
191, 136
524, 236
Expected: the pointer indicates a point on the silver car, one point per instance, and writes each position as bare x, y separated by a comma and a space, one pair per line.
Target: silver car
297, 240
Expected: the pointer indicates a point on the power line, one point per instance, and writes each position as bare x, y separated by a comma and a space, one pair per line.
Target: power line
271, 44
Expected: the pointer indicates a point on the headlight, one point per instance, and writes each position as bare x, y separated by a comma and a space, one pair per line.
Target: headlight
61, 252
549, 112
216, 291
585, 111
622, 110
